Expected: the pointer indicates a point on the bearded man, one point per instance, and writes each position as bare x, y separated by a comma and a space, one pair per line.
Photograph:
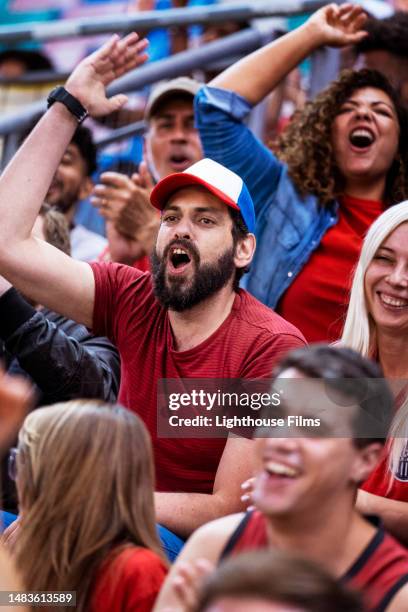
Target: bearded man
188, 321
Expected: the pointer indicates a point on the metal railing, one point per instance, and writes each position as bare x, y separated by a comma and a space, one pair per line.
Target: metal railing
133, 129
149, 20
175, 65
324, 62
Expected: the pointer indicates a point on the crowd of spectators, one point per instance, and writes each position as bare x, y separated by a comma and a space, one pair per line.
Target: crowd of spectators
275, 269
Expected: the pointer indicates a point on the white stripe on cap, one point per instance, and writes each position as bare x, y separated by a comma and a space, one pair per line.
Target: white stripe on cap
219, 176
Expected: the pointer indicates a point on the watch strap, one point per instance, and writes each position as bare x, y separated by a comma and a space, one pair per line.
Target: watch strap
60, 94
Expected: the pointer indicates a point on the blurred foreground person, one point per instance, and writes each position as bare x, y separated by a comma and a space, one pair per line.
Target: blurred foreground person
84, 475
305, 488
264, 581
15, 401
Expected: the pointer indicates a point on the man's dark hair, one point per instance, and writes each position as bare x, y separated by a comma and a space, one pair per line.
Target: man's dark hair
390, 34
84, 141
278, 577
239, 231
347, 374
82, 138
32, 60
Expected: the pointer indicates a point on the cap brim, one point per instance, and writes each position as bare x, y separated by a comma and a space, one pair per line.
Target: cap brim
172, 183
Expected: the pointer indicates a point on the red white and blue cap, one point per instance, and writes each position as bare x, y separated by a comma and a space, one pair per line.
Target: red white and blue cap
223, 183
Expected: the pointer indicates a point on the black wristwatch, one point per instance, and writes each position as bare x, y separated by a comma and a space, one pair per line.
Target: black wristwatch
60, 94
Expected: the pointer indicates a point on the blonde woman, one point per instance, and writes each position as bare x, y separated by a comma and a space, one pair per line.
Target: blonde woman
84, 476
377, 327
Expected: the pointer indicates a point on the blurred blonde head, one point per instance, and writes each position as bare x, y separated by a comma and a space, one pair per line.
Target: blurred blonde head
85, 486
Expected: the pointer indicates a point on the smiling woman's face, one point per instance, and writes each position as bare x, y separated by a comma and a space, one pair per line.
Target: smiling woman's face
386, 283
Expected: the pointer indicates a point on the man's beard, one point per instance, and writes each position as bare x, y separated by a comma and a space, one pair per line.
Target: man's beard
63, 202
180, 294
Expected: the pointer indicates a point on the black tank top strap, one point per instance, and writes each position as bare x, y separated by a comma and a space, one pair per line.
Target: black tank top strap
235, 536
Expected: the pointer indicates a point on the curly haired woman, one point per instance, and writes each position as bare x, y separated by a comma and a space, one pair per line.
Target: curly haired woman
340, 163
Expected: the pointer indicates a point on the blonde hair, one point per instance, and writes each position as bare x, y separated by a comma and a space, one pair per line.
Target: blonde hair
359, 329
85, 487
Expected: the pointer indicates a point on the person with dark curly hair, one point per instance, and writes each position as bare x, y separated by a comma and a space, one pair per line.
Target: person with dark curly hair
386, 49
339, 164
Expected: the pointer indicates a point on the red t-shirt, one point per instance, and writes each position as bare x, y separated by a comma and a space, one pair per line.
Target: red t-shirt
317, 300
247, 345
130, 582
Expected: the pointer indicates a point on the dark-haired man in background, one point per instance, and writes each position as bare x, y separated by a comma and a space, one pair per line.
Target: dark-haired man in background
385, 48
71, 183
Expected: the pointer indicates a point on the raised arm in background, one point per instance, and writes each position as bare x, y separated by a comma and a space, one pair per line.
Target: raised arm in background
259, 73
36, 268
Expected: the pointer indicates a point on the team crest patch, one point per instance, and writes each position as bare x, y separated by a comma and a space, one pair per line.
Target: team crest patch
402, 471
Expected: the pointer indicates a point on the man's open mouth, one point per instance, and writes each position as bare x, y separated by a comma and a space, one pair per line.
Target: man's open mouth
179, 259
361, 138
179, 162
281, 470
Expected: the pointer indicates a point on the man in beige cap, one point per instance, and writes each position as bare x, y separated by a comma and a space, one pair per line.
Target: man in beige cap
172, 144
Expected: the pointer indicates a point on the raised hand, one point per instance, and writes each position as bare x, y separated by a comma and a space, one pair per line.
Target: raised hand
187, 584
338, 26
246, 497
126, 202
93, 74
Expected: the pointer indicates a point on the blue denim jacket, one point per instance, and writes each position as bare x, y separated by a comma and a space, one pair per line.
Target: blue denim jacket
289, 227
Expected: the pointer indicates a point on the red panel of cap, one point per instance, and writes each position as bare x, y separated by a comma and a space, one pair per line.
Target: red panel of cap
172, 183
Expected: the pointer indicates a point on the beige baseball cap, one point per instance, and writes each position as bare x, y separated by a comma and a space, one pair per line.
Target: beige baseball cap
167, 89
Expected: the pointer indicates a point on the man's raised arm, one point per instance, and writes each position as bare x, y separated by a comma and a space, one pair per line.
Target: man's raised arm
36, 268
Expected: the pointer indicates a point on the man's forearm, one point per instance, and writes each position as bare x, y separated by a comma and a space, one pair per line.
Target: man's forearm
25, 181
183, 513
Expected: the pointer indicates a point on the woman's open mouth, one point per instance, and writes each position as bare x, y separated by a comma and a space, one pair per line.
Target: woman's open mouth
361, 139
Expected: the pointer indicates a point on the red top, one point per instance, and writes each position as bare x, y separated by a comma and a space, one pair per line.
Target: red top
143, 263
379, 482
247, 345
317, 300
379, 572
130, 582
